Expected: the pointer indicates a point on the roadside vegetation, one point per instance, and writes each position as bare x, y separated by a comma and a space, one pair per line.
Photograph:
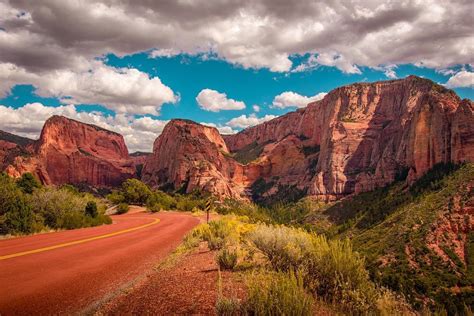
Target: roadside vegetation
135, 192
26, 207
290, 271
394, 250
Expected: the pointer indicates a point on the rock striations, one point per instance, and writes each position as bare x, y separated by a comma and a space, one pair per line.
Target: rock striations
358, 137
69, 151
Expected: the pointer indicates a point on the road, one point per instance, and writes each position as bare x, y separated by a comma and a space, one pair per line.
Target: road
68, 271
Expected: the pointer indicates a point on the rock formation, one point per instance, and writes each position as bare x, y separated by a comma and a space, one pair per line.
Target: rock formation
69, 151
358, 137
12, 146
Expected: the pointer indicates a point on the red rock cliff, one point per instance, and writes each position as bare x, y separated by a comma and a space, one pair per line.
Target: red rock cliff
191, 156
69, 151
357, 138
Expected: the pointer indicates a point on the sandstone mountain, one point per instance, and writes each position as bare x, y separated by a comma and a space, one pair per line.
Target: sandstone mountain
11, 146
69, 151
357, 138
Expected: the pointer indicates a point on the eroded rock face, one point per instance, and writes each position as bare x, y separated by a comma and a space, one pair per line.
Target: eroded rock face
189, 156
69, 151
357, 138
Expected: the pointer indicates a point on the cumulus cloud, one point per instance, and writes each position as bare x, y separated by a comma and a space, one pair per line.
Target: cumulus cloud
244, 121
123, 90
293, 99
28, 120
256, 108
253, 34
224, 130
214, 101
463, 79
338, 61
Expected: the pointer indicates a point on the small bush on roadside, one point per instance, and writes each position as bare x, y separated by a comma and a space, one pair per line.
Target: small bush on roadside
135, 192
227, 259
27, 183
331, 269
226, 306
122, 208
91, 209
115, 197
278, 293
16, 215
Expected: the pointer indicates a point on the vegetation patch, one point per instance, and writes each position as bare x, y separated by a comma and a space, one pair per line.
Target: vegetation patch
27, 207
249, 153
288, 268
310, 150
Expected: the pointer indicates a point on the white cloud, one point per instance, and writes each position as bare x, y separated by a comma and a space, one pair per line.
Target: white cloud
224, 130
165, 52
256, 108
28, 120
463, 79
244, 121
214, 101
123, 90
253, 34
293, 99
338, 61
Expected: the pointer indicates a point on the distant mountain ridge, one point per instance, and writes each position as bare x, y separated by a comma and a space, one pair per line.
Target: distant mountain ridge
357, 138
69, 151
12, 138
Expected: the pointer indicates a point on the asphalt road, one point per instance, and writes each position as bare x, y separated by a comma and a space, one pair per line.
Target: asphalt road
68, 271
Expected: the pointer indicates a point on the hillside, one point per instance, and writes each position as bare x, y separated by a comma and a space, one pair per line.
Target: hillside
418, 239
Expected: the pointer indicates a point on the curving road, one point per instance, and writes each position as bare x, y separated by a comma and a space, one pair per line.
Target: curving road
68, 271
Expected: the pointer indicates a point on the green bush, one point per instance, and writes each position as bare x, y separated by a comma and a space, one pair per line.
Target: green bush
66, 209
159, 200
122, 208
27, 183
229, 307
45, 207
135, 192
187, 203
332, 270
16, 215
227, 259
278, 293
116, 197
91, 209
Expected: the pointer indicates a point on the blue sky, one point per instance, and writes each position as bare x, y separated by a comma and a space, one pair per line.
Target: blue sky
188, 75
132, 66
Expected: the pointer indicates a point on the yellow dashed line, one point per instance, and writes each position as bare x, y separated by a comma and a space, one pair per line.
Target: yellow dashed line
29, 252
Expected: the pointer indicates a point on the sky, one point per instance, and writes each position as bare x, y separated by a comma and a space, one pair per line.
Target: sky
132, 65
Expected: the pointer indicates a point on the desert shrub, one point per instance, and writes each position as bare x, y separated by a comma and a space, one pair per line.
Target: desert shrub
65, 209
122, 208
135, 192
116, 197
253, 211
278, 293
284, 247
159, 200
332, 270
27, 183
91, 209
227, 259
229, 230
16, 215
187, 203
226, 306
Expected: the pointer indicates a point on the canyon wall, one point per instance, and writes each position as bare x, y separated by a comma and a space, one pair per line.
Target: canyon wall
357, 138
72, 152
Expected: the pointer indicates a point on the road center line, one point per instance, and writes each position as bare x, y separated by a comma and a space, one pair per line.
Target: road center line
76, 242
